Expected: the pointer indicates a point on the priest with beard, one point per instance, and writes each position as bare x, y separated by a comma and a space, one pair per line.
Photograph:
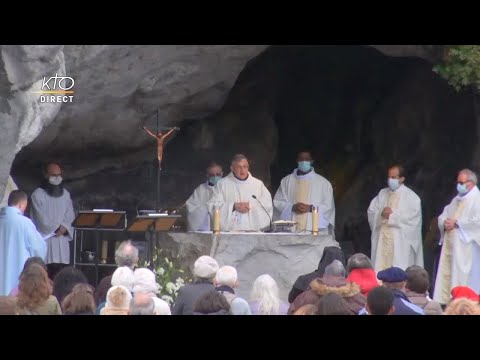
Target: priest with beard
52, 213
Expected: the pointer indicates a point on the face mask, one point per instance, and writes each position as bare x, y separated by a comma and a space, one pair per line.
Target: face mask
55, 180
214, 179
304, 166
393, 184
462, 189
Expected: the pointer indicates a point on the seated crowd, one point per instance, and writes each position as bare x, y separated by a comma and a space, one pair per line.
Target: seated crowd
336, 287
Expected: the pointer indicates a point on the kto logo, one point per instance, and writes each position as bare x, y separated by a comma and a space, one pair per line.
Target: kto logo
57, 89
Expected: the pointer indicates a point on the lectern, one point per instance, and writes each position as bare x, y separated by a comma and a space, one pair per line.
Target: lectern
89, 227
153, 223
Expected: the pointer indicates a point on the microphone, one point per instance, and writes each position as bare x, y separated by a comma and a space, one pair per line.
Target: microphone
271, 230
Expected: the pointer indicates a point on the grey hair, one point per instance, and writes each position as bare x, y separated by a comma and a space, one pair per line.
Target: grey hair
359, 261
141, 308
470, 175
126, 255
335, 268
238, 157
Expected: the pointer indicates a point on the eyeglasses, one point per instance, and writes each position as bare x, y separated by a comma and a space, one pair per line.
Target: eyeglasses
461, 183
217, 174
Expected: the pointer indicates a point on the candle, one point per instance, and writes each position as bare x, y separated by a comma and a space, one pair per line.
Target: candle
315, 221
216, 221
104, 251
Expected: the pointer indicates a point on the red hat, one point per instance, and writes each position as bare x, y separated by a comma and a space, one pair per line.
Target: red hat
464, 292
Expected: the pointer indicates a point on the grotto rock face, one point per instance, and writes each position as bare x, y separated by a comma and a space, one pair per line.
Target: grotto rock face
358, 108
116, 89
22, 117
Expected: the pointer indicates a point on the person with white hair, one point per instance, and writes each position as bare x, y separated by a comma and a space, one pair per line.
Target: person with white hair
122, 276
142, 304
204, 271
118, 301
265, 299
126, 255
145, 283
459, 226
225, 281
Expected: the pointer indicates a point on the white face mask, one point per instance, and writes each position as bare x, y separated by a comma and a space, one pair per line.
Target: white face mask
55, 180
394, 184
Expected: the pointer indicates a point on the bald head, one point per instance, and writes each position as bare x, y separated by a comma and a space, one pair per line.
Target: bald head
126, 255
142, 304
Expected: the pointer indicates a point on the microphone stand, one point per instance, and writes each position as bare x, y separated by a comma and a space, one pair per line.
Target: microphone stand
269, 217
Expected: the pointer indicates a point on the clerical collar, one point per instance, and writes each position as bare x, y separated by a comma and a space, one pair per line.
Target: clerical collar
241, 179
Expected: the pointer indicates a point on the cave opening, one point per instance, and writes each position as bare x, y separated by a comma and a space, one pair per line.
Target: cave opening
360, 111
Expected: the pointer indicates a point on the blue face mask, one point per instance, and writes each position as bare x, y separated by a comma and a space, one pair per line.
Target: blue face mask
304, 166
393, 184
214, 179
462, 189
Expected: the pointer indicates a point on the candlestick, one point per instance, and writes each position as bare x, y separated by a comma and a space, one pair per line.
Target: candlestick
216, 221
315, 221
103, 258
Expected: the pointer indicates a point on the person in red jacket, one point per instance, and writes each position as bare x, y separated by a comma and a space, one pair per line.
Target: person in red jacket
360, 270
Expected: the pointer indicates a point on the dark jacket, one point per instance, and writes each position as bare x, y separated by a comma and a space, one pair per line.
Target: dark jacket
188, 295
350, 291
403, 306
220, 312
302, 283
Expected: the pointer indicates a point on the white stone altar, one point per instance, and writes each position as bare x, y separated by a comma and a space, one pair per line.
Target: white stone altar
284, 256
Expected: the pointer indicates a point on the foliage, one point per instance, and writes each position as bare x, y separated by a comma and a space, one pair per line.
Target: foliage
168, 275
460, 66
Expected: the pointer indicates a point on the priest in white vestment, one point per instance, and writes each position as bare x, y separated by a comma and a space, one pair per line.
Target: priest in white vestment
9, 187
233, 197
459, 226
302, 190
52, 213
198, 218
395, 219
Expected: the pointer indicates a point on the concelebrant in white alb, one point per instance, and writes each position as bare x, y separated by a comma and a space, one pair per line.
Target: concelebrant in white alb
302, 190
395, 219
459, 226
233, 197
52, 213
198, 218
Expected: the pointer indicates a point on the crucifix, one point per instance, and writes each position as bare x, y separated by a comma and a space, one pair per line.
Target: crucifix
160, 137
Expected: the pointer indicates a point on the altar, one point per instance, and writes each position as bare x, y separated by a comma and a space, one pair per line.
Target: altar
284, 256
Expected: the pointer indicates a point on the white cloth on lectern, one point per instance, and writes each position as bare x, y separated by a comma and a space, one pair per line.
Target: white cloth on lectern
198, 218
230, 190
